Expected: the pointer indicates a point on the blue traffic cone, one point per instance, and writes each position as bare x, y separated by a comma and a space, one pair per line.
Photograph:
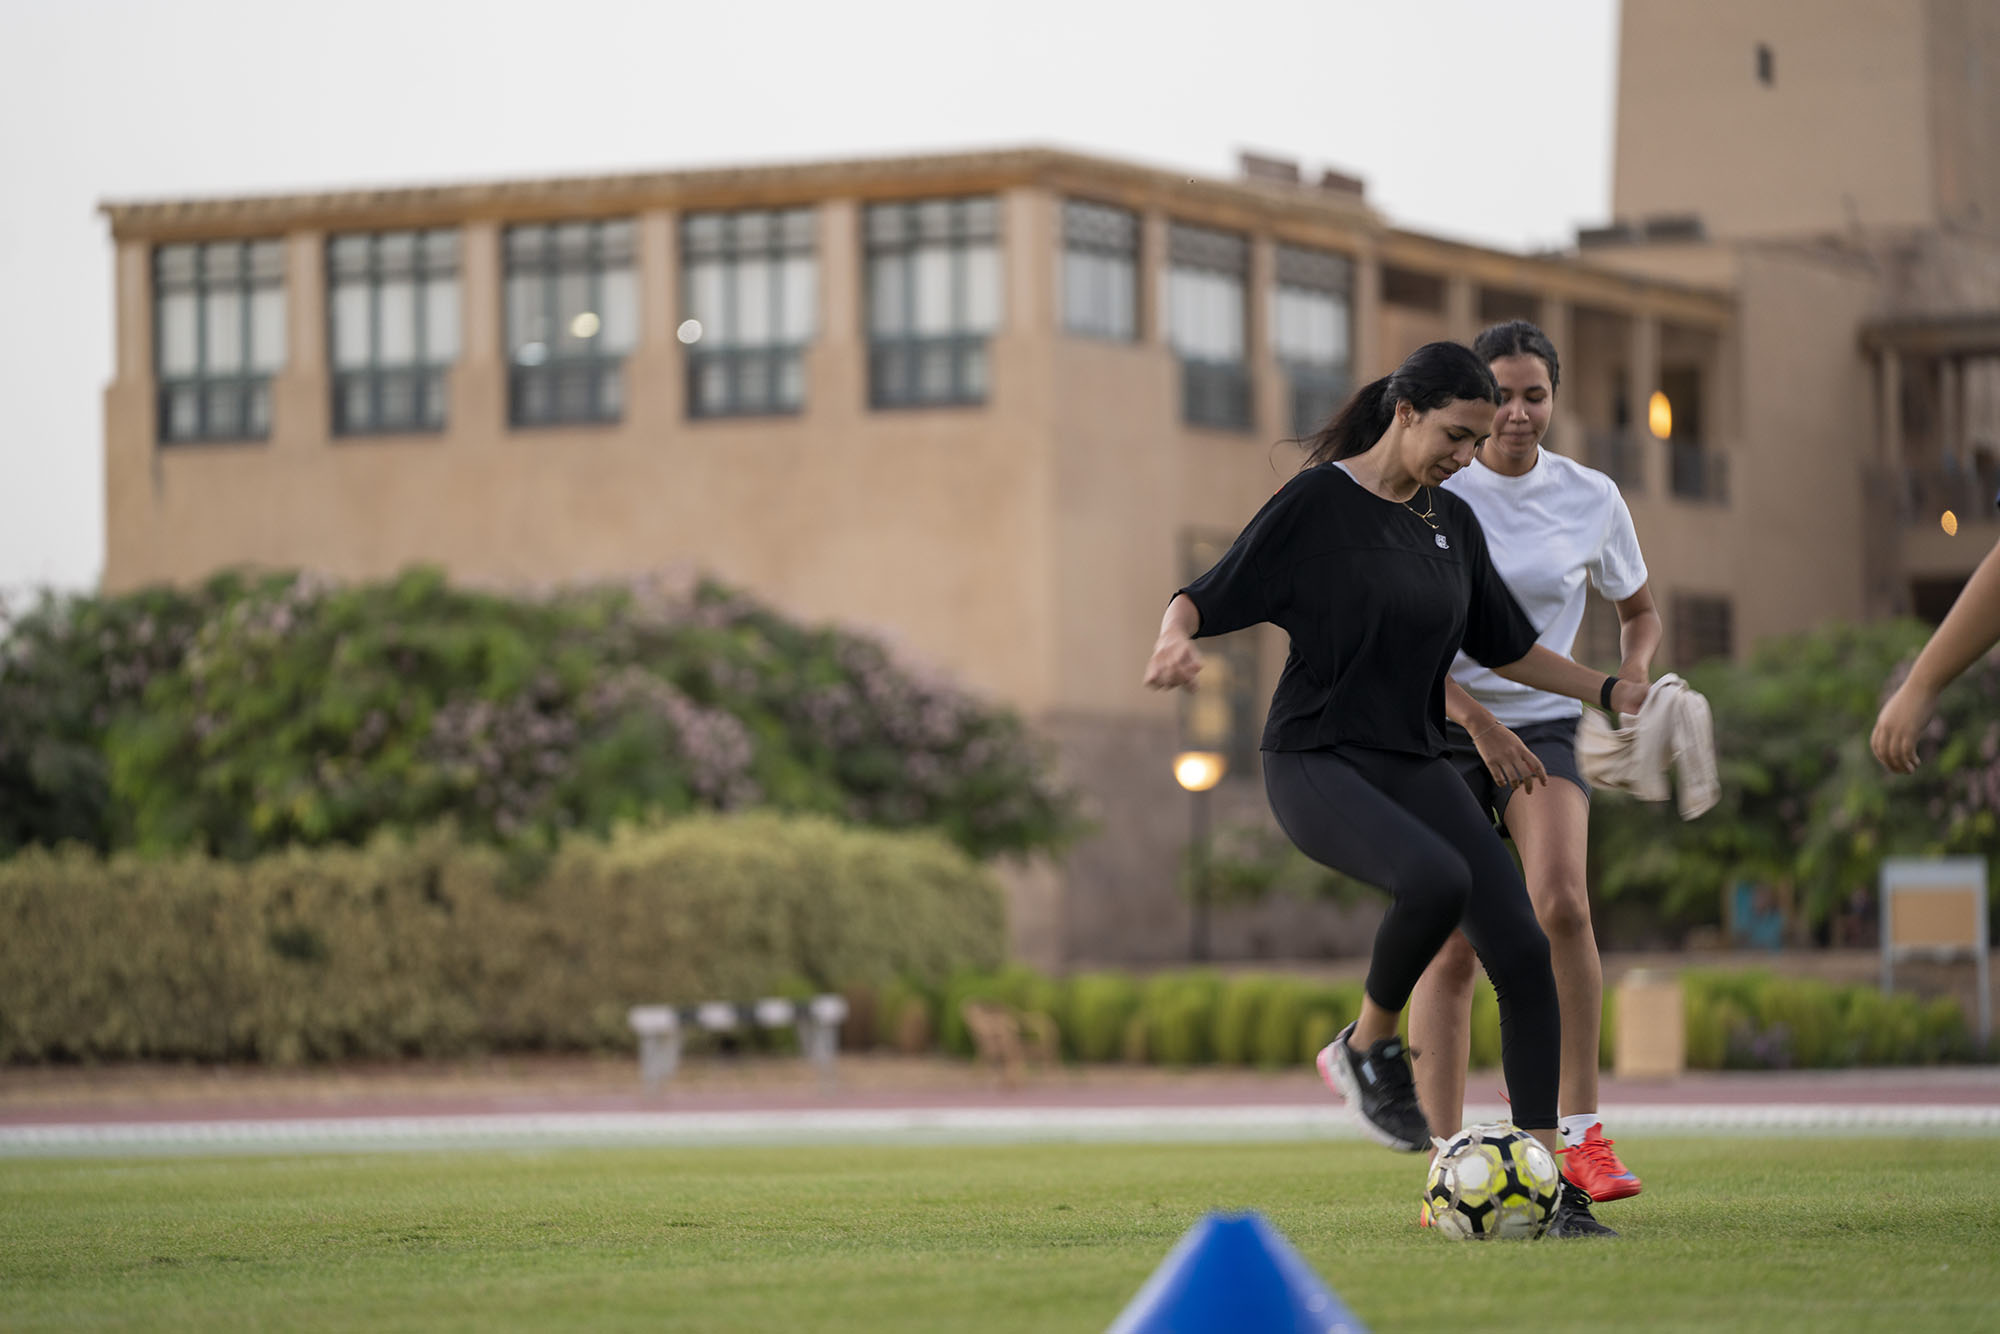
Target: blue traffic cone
1235, 1272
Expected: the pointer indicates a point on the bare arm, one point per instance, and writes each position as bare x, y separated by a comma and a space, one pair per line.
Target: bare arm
1463, 709
1969, 629
1639, 634
1175, 662
1506, 756
1559, 676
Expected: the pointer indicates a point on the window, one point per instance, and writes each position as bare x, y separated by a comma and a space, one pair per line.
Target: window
1407, 287
933, 298
1766, 65
1206, 320
219, 335
1311, 332
1703, 629
1224, 715
572, 315
1694, 472
1497, 305
749, 281
392, 302
1100, 272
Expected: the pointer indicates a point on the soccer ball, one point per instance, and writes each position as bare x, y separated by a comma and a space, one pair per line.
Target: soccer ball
1492, 1180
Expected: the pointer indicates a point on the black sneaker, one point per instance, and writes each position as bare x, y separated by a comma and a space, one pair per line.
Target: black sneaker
1573, 1217
1380, 1089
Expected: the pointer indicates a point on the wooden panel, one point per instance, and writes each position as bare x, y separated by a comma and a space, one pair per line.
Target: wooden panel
1930, 916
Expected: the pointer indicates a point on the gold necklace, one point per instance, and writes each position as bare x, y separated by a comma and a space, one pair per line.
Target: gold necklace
1428, 514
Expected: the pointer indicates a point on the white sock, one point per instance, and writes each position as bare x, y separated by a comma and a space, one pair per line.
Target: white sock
1574, 1128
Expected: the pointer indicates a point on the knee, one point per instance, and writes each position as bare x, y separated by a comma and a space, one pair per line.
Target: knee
1439, 883
1520, 969
1564, 910
1456, 965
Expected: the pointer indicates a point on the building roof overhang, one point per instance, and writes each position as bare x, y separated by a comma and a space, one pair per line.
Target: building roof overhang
1306, 214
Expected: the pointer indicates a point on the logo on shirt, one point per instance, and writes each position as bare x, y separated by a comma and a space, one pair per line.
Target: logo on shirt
1442, 544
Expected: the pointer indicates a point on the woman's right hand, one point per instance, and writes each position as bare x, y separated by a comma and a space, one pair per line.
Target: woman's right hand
1508, 758
1175, 662
1898, 726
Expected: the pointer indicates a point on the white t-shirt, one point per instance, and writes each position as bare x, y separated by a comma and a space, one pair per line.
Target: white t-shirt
1547, 529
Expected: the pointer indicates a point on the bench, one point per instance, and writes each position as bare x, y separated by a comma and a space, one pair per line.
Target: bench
660, 1029
1011, 1040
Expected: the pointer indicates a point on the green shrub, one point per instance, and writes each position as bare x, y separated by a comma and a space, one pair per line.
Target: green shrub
1019, 987
1752, 1020
266, 710
432, 946
1179, 1009
1946, 1037
1711, 1020
1316, 1029
905, 1018
1808, 1011
1238, 1011
1485, 1025
1279, 1023
1879, 1026
1101, 1005
1137, 1047
1327, 1011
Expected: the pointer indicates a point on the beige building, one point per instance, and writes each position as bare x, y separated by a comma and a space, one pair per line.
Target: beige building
1835, 166
995, 406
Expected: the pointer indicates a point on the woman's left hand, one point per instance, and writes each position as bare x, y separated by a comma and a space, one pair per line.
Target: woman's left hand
1508, 758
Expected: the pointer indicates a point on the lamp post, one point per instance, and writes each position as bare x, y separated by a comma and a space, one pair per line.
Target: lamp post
1198, 771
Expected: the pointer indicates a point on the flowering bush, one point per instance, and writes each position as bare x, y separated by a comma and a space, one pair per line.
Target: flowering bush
257, 712
1803, 799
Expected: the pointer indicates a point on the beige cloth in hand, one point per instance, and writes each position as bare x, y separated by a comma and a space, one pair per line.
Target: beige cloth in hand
1673, 730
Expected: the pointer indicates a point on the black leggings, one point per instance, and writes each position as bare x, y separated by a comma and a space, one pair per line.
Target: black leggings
1407, 824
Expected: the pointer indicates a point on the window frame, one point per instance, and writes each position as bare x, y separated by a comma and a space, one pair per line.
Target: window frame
1215, 395
965, 349
1313, 390
773, 356
250, 386
1694, 642
599, 371
1075, 241
430, 375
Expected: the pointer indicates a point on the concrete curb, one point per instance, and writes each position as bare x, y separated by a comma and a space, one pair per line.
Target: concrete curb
909, 1126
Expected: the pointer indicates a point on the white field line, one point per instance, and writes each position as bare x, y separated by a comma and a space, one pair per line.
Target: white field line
914, 1126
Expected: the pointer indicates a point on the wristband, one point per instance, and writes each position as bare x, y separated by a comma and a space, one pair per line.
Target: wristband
1604, 695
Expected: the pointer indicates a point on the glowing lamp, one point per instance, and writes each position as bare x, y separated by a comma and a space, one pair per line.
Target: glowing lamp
1660, 415
1199, 770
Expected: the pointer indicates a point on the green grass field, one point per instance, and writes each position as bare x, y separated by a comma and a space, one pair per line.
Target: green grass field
1765, 1234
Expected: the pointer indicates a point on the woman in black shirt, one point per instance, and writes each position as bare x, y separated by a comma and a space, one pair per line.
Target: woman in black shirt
1380, 578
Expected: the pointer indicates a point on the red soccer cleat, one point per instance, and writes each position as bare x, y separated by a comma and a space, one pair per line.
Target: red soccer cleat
1594, 1169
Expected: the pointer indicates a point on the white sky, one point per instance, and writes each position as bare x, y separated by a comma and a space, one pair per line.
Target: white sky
1467, 118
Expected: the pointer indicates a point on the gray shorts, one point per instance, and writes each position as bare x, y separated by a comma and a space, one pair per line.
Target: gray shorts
1553, 743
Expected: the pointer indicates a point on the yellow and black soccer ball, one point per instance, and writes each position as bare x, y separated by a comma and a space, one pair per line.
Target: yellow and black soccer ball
1492, 1180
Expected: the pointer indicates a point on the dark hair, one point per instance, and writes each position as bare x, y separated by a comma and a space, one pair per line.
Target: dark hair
1518, 338
1430, 377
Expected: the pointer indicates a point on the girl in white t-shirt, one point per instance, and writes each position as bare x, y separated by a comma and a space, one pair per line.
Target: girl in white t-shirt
1556, 530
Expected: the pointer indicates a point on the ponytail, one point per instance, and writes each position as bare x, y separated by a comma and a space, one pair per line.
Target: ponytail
1358, 424
1430, 377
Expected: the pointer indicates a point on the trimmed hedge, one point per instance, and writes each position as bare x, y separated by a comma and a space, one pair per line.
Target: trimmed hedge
432, 946
1746, 1020
1755, 1021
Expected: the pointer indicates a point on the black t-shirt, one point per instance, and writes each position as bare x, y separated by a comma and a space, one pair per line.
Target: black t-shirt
1377, 604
